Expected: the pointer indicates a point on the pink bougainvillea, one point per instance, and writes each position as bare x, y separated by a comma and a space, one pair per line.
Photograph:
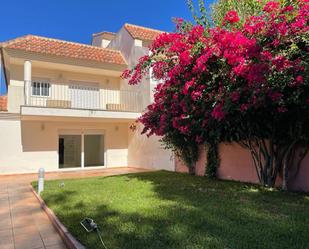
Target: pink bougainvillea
231, 17
210, 76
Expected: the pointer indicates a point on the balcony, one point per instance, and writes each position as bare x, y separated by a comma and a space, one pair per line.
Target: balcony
78, 100
81, 97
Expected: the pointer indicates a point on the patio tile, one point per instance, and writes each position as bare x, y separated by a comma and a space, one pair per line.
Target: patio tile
5, 223
30, 229
22, 221
7, 243
28, 241
6, 233
52, 239
56, 247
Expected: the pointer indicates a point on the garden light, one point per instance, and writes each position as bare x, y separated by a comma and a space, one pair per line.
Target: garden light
41, 180
90, 226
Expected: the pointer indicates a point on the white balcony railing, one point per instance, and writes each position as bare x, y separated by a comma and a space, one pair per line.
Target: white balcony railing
82, 97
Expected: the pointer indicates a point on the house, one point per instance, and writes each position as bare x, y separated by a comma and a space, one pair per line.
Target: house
68, 108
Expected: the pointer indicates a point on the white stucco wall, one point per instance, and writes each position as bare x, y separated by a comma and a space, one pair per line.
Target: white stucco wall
142, 151
148, 152
28, 145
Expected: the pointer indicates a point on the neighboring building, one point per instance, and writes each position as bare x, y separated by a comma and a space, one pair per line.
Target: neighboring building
68, 108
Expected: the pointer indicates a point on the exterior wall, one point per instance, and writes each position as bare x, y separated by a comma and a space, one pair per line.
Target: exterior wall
236, 164
124, 42
142, 151
200, 164
28, 145
147, 152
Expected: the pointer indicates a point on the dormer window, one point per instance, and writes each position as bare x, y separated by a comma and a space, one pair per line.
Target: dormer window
40, 88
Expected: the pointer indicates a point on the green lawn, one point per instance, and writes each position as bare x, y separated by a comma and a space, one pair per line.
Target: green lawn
172, 210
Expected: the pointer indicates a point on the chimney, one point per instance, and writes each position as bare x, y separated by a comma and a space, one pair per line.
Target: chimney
3, 103
102, 39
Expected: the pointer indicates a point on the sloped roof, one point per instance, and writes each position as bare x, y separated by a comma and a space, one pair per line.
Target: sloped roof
105, 34
142, 33
3, 103
49, 46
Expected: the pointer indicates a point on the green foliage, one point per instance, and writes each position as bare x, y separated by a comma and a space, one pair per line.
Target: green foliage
201, 16
177, 211
244, 8
183, 148
213, 159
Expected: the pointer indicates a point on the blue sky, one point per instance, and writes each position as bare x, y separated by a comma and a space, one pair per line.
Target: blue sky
76, 20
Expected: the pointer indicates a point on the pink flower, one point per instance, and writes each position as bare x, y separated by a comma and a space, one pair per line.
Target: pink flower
201, 62
179, 22
217, 112
266, 55
271, 6
299, 80
231, 17
235, 96
288, 8
275, 43
281, 63
282, 109
198, 139
184, 129
196, 33
188, 85
185, 58
196, 95
244, 107
257, 74
240, 69
126, 74
275, 96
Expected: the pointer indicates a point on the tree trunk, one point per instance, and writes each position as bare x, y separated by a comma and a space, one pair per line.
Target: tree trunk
285, 175
192, 169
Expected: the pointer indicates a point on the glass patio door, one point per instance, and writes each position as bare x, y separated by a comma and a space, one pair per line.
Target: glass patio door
69, 151
94, 150
81, 150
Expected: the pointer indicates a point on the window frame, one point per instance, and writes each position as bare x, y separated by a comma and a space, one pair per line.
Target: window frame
41, 82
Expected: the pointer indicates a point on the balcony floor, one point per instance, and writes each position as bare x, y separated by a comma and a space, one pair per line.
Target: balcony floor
32, 112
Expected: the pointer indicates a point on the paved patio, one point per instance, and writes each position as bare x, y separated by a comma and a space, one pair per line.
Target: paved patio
23, 224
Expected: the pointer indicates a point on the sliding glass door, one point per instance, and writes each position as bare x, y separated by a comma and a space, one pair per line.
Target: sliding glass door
81, 150
69, 151
94, 150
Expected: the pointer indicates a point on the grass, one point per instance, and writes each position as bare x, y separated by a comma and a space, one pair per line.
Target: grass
173, 210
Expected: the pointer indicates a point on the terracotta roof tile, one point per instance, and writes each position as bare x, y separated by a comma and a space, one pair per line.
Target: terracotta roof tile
56, 47
3, 103
142, 33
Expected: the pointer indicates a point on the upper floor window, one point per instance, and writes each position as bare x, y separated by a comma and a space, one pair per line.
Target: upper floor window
40, 88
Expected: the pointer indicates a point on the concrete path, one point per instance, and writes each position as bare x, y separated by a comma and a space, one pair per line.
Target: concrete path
23, 224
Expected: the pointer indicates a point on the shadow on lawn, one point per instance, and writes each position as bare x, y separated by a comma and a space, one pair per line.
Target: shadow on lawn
219, 214
196, 213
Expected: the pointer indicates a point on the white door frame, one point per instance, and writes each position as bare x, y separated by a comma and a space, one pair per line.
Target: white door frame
82, 133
